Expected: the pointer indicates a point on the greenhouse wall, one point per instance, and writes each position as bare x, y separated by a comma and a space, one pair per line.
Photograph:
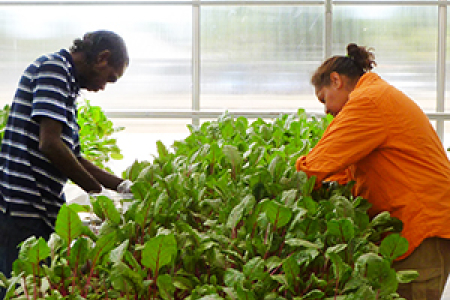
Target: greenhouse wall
193, 60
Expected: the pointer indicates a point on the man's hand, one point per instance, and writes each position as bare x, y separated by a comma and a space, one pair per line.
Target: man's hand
124, 187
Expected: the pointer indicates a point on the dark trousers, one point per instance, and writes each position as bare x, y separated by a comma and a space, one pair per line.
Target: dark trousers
432, 260
13, 231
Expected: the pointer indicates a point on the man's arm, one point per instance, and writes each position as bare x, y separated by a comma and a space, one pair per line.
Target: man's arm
53, 147
107, 179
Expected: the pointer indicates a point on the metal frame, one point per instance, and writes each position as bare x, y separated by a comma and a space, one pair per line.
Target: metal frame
196, 113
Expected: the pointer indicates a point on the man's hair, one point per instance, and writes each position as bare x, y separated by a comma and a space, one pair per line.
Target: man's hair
95, 42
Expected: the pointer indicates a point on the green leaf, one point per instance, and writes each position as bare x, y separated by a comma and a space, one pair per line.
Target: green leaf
116, 156
343, 229
68, 224
308, 187
233, 155
254, 269
103, 245
340, 267
364, 292
291, 270
278, 214
407, 276
165, 287
393, 246
79, 252
159, 251
118, 253
233, 278
310, 205
288, 197
34, 250
295, 242
78, 208
314, 294
373, 267
12, 286
274, 165
244, 207
122, 278
162, 150
211, 297
109, 210
245, 294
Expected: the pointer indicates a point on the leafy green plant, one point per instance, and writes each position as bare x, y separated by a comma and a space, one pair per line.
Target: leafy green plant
96, 135
223, 216
3, 120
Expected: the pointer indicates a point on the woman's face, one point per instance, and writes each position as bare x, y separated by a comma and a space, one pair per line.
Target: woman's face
334, 96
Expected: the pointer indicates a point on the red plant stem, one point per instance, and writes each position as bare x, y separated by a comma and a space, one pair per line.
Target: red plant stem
276, 222
145, 221
211, 164
325, 266
342, 234
91, 274
75, 275
25, 289
279, 266
283, 243
237, 249
306, 289
234, 233
34, 281
337, 283
106, 290
265, 242
211, 168
253, 229
307, 227
266, 235
150, 287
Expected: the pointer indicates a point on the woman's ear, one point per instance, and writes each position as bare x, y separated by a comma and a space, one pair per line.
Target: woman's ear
336, 80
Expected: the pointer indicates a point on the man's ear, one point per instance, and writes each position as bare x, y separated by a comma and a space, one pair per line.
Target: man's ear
103, 57
336, 80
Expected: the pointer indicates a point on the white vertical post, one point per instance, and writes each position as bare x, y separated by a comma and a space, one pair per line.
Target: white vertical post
196, 60
328, 28
441, 62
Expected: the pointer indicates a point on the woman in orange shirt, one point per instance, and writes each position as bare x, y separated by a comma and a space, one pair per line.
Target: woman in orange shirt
383, 141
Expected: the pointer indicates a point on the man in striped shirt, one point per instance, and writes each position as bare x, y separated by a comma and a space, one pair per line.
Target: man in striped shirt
40, 150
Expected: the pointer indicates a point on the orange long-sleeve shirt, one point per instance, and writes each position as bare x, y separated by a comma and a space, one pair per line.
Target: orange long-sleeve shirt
393, 153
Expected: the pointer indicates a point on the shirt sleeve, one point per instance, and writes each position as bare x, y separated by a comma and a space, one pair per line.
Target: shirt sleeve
51, 92
342, 177
52, 98
352, 135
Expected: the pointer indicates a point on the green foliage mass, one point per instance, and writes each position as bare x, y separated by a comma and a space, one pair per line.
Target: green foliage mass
3, 120
96, 134
223, 216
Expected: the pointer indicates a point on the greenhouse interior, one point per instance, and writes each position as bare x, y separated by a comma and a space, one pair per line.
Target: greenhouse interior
194, 62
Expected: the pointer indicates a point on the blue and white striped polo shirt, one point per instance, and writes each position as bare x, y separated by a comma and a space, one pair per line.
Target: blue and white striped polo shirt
30, 186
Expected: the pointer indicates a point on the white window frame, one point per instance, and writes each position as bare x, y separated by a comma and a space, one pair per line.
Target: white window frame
196, 113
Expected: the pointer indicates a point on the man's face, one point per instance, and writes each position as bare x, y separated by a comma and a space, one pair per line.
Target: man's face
95, 76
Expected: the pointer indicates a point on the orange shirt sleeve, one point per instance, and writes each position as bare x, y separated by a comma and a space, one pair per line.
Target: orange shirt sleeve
342, 177
352, 135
